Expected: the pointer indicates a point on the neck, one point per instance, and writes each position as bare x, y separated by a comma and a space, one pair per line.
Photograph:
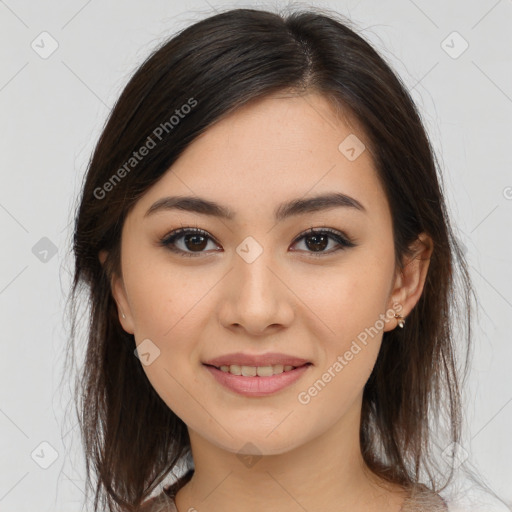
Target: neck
326, 473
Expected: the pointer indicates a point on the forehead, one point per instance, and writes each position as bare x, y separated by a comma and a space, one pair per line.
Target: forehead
272, 150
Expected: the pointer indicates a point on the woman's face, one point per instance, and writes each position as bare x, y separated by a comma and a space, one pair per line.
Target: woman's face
256, 283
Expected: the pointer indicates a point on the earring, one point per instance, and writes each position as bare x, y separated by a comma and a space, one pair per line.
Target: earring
123, 315
401, 321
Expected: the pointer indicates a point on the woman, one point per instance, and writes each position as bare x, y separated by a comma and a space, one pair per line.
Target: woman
271, 273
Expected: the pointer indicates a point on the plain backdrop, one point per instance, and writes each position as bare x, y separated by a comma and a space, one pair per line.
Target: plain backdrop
62, 68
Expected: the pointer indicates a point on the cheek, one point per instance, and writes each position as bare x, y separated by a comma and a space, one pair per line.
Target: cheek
168, 309
163, 298
166, 314
350, 305
351, 297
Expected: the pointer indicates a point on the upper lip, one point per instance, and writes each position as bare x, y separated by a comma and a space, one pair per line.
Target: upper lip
269, 359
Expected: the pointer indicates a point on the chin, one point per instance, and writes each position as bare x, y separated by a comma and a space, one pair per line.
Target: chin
258, 443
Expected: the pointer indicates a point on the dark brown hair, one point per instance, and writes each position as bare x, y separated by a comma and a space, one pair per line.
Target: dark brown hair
221, 63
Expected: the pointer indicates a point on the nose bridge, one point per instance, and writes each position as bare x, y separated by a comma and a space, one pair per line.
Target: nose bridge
258, 298
254, 278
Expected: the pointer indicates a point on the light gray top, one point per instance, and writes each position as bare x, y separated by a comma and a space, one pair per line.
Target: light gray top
420, 500
424, 500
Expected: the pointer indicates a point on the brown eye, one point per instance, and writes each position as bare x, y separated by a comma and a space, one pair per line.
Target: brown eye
194, 242
317, 240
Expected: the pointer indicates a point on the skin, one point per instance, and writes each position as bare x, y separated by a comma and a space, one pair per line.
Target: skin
292, 301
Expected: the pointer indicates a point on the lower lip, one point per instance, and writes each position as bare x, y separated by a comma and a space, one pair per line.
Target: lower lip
257, 386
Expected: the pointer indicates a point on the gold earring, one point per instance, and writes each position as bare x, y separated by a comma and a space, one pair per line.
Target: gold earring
401, 321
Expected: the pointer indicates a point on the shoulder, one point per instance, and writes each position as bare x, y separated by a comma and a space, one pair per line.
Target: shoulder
160, 503
165, 502
422, 499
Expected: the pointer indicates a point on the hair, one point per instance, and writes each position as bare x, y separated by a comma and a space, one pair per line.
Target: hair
214, 67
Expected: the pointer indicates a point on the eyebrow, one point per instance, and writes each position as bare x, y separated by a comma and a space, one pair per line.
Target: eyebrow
284, 210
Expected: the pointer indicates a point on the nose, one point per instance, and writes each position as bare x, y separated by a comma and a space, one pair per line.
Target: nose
256, 297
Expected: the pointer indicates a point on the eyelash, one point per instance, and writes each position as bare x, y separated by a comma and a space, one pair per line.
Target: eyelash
343, 241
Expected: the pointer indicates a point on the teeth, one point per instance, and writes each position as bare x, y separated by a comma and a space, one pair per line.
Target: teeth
252, 371
249, 371
265, 371
234, 369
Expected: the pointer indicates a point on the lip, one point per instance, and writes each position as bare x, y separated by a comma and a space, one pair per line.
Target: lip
257, 386
269, 359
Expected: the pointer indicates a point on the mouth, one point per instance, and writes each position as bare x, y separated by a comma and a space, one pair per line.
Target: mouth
256, 381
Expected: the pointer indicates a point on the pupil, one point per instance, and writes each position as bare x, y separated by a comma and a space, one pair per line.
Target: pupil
316, 244
196, 245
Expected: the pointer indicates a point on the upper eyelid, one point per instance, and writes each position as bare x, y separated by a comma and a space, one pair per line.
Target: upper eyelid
190, 229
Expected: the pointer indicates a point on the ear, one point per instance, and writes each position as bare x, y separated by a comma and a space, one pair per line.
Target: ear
409, 282
119, 293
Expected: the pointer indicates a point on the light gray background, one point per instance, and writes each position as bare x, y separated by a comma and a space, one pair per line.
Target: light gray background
52, 111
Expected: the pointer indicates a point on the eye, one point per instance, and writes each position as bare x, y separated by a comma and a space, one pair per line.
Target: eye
194, 241
316, 240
